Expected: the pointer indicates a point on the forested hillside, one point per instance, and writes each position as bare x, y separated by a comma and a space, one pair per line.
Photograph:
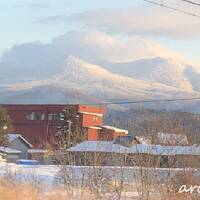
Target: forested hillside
148, 121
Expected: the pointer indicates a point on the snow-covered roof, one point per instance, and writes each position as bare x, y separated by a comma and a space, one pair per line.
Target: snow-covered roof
37, 151
92, 113
172, 139
8, 150
13, 136
115, 129
110, 147
95, 127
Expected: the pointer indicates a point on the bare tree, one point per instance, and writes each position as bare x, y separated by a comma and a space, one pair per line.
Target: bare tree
5, 126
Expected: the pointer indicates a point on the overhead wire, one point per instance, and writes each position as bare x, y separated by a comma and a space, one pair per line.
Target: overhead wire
191, 2
172, 8
146, 101
158, 100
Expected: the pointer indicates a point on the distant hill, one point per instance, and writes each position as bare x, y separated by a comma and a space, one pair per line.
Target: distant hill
91, 81
56, 73
138, 121
161, 70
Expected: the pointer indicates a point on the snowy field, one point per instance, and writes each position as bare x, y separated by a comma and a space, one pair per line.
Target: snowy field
52, 174
49, 178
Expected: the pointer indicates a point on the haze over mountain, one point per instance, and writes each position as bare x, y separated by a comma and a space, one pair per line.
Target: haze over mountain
90, 68
167, 71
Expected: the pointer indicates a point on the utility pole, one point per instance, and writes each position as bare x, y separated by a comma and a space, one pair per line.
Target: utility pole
69, 126
70, 129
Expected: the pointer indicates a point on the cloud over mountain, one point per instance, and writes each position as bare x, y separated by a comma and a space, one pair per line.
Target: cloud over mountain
148, 20
80, 80
38, 60
94, 65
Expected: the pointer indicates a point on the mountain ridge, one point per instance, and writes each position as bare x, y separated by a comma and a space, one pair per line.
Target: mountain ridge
96, 81
80, 81
160, 70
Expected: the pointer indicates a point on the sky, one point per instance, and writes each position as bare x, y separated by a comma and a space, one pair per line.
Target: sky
28, 21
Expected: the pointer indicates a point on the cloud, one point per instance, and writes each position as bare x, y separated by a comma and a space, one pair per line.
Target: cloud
33, 5
154, 21
38, 60
50, 19
92, 46
99, 46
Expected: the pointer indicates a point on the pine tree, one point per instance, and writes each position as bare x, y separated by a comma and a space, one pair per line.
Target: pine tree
71, 132
5, 127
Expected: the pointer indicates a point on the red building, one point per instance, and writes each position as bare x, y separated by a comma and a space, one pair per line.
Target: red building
37, 123
105, 133
109, 133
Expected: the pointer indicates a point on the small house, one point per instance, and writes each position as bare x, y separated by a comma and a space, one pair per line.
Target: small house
11, 155
18, 142
147, 155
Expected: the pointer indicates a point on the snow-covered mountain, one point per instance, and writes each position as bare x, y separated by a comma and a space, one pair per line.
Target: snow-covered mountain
95, 67
94, 79
160, 70
81, 81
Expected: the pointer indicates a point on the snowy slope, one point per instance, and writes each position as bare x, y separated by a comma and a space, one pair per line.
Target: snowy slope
167, 71
81, 81
95, 80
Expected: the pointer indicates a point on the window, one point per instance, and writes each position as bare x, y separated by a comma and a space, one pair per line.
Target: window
35, 116
54, 117
95, 119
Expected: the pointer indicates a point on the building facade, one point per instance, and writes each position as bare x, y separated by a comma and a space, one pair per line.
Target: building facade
39, 123
109, 153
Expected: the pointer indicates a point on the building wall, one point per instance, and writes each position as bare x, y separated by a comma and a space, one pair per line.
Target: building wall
118, 134
38, 131
110, 135
18, 144
92, 109
91, 120
10, 158
34, 130
106, 135
37, 156
93, 134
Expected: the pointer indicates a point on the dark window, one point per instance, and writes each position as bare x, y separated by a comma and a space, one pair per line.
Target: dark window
54, 117
35, 116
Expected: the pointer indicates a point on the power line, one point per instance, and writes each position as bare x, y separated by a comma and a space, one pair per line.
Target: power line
191, 2
172, 8
145, 101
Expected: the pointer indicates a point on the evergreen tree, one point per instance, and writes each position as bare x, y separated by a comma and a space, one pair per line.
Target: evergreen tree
71, 132
5, 126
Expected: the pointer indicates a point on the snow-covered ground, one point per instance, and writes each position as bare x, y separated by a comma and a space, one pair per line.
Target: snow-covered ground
49, 178
43, 174
53, 174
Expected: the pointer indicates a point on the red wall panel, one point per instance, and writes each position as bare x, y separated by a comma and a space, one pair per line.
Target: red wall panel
91, 120
39, 131
93, 134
